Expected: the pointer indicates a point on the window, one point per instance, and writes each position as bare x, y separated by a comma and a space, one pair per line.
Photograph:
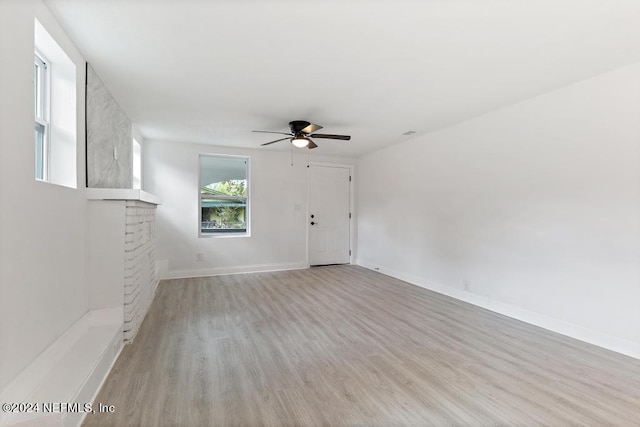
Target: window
41, 111
137, 165
224, 195
55, 112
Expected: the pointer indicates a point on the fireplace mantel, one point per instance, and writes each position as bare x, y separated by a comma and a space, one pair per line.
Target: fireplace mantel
122, 194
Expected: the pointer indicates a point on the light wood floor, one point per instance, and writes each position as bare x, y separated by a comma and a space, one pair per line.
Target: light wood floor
347, 346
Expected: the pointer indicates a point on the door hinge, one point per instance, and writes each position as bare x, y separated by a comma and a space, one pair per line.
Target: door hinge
349, 178
349, 215
349, 252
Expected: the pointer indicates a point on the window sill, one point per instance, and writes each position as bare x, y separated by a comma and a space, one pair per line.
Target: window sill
223, 235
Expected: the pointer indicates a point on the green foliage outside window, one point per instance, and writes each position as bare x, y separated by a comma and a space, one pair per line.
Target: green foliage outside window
228, 210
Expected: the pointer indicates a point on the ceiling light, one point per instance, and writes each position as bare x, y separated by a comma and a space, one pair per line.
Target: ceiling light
300, 141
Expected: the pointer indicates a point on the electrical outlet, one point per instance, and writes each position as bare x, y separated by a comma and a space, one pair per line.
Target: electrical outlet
199, 257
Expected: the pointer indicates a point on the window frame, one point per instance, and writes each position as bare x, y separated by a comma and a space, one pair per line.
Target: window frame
228, 233
42, 111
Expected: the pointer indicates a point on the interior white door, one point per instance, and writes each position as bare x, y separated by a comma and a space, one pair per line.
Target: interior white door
329, 222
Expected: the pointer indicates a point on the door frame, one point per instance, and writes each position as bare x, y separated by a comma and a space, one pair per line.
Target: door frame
352, 207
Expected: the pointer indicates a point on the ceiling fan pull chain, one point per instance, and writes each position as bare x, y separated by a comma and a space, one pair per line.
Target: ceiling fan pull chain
291, 155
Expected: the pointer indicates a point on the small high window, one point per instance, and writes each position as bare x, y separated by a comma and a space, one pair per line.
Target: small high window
137, 164
55, 112
224, 195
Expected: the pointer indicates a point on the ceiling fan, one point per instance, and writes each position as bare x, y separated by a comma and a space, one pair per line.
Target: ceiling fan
301, 134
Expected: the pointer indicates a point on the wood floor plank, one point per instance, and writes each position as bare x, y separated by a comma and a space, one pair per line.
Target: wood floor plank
346, 346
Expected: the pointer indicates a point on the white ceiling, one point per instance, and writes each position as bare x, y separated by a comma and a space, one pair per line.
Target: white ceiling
212, 71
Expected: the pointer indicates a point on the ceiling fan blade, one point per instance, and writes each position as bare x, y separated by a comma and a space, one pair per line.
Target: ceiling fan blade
272, 142
329, 136
312, 145
268, 131
311, 128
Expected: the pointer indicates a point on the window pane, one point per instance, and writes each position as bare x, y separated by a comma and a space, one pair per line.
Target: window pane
223, 194
39, 88
36, 90
40, 151
137, 164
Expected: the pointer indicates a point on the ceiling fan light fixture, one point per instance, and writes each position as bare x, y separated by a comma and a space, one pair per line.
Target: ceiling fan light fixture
300, 141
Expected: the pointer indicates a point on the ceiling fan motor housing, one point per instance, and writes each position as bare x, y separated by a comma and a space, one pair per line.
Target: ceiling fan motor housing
296, 126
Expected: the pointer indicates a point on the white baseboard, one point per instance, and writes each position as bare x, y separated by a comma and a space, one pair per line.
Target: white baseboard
559, 326
70, 370
184, 274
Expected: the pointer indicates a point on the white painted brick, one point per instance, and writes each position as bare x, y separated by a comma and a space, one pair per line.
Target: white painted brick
139, 272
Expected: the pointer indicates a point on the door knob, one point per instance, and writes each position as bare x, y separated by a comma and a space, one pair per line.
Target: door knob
313, 223
313, 216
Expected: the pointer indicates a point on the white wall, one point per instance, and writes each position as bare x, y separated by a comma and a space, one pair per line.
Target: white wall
42, 226
536, 206
105, 253
278, 231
